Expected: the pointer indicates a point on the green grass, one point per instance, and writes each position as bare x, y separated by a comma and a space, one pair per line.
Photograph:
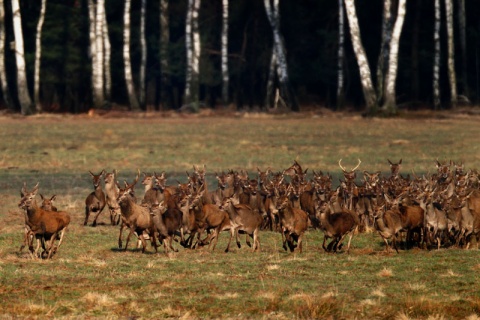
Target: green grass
89, 277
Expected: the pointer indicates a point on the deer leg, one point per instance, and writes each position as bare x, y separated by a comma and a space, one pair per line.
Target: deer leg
87, 214
128, 238
94, 223
300, 243
247, 240
323, 244
237, 238
120, 236
256, 241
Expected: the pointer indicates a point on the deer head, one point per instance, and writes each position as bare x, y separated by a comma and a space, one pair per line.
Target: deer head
349, 175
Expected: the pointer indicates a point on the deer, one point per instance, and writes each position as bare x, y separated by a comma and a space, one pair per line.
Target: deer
111, 190
95, 201
293, 222
244, 219
47, 203
435, 218
135, 217
336, 225
166, 221
388, 223
42, 223
349, 186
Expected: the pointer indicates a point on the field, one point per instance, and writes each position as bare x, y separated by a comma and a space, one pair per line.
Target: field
90, 277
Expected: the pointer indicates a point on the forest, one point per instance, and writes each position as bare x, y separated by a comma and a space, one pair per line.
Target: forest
372, 56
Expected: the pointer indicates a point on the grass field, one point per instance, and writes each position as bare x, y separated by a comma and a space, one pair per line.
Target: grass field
90, 277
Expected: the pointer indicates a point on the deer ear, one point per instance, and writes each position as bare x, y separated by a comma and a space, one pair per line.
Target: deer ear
41, 196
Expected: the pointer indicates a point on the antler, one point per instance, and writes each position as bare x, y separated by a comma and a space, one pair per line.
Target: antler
340, 164
358, 165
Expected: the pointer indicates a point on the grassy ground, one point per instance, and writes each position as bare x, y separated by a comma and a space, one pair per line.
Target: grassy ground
90, 278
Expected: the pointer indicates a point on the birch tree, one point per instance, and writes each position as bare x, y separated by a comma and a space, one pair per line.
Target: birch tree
390, 105
225, 76
451, 53
382, 64
436, 59
279, 54
192, 44
365, 74
106, 63
22, 87
165, 85
143, 50
340, 55
3, 73
38, 55
132, 96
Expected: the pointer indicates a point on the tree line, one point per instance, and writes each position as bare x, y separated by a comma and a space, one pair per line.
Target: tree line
375, 56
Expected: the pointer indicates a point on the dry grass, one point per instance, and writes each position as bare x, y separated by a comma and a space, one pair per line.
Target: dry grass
90, 278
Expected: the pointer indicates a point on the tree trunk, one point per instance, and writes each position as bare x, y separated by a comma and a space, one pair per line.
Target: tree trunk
107, 54
436, 59
22, 86
225, 78
365, 74
390, 105
99, 84
382, 65
415, 86
189, 52
96, 94
165, 87
132, 96
271, 80
143, 48
451, 54
195, 85
38, 55
340, 56
463, 46
3, 73
286, 92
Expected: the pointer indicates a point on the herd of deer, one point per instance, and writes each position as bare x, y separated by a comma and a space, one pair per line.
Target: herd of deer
434, 210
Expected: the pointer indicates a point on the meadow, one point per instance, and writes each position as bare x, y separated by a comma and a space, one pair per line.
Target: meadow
90, 278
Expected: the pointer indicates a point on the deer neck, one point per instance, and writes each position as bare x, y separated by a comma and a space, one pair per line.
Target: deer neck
127, 207
32, 213
99, 192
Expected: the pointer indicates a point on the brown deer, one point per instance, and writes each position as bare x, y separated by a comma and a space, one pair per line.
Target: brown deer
95, 201
388, 223
293, 222
336, 225
111, 190
41, 223
244, 219
47, 203
167, 222
135, 217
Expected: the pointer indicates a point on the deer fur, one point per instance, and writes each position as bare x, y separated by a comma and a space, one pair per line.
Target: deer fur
95, 201
166, 221
336, 225
388, 223
293, 223
134, 217
111, 191
46, 224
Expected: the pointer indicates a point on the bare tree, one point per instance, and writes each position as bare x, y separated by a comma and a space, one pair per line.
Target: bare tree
451, 53
3, 73
365, 74
436, 59
132, 96
38, 55
192, 43
390, 104
22, 86
225, 77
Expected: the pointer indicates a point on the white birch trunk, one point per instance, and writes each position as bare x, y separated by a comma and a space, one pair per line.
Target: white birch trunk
99, 84
451, 53
196, 56
132, 97
93, 49
390, 98
365, 74
22, 86
38, 55
189, 51
107, 54
3, 72
270, 81
341, 54
436, 59
382, 65
164, 43
225, 77
273, 14
143, 48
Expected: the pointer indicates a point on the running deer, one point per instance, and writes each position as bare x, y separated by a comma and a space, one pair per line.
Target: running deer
48, 225
95, 201
293, 222
134, 217
336, 225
